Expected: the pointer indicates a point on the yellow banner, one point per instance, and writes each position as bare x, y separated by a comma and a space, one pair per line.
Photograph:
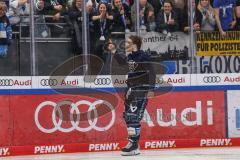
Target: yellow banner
213, 44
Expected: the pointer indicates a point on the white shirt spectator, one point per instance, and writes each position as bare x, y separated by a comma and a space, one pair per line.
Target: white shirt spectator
18, 8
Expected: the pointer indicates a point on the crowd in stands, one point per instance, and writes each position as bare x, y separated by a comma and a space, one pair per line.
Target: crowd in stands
107, 16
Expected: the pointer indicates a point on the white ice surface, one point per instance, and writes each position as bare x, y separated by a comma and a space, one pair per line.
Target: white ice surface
232, 153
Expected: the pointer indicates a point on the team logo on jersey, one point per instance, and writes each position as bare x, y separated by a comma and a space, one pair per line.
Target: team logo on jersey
132, 65
133, 108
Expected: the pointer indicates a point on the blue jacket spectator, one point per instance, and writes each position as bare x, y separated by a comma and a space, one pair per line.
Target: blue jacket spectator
238, 15
225, 15
5, 30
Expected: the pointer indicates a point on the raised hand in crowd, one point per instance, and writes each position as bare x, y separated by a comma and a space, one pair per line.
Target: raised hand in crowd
57, 16
233, 24
196, 26
58, 7
110, 17
171, 22
122, 10
102, 15
150, 14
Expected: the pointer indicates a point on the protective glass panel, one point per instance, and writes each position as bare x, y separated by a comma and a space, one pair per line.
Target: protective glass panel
15, 50
53, 34
217, 39
165, 29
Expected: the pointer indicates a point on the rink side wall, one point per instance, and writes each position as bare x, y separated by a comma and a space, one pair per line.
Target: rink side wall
42, 115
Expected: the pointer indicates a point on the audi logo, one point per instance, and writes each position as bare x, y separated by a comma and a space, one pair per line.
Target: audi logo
102, 81
211, 79
49, 82
6, 82
159, 80
73, 111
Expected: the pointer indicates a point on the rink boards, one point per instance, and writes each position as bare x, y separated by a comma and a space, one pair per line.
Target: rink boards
42, 115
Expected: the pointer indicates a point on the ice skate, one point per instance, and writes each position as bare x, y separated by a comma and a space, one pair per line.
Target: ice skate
131, 149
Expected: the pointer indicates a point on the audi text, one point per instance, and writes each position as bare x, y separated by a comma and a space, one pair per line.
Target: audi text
11, 82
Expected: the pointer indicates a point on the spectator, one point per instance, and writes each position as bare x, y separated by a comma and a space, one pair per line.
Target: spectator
75, 16
225, 15
157, 5
41, 29
177, 7
195, 17
92, 9
40, 6
69, 3
105, 1
206, 18
167, 20
5, 30
147, 19
238, 14
6, 2
127, 2
211, 2
130, 2
18, 12
19, 8
92, 6
108, 3
56, 8
179, 3
63, 11
44, 7
121, 16
102, 23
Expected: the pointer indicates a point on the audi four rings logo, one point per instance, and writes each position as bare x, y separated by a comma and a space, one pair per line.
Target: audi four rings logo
211, 79
6, 82
102, 81
73, 111
48, 82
